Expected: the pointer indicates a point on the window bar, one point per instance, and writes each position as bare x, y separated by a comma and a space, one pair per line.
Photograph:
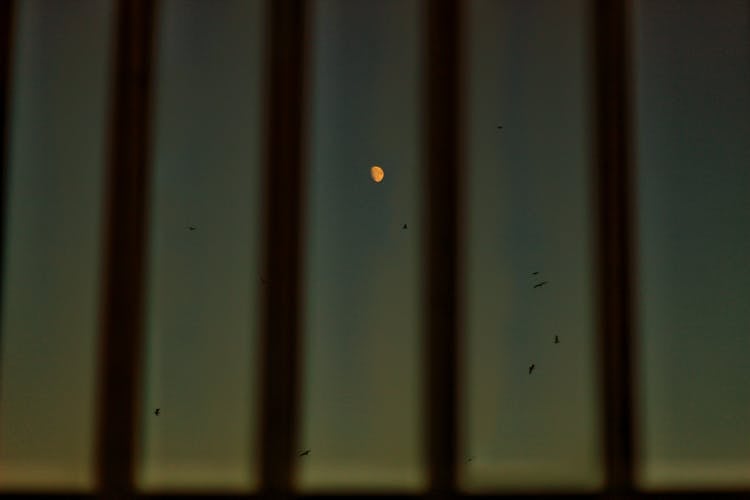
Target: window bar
283, 237
124, 248
442, 121
614, 187
7, 19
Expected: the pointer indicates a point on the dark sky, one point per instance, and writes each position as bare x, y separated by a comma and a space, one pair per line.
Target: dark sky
50, 288
363, 307
694, 191
529, 209
203, 295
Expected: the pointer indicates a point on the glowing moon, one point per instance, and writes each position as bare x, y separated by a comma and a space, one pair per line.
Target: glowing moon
376, 173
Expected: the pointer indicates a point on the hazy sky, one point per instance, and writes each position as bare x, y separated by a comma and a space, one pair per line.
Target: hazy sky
363, 307
50, 290
203, 295
694, 192
529, 209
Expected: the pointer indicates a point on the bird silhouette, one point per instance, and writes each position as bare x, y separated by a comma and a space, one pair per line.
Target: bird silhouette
557, 339
531, 368
404, 227
535, 273
156, 411
468, 460
191, 228
540, 284
499, 127
304, 453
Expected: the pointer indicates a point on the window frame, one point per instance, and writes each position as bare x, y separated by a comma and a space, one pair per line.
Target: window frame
286, 91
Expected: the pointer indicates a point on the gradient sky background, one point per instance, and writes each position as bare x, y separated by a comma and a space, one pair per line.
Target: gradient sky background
363, 308
529, 209
694, 192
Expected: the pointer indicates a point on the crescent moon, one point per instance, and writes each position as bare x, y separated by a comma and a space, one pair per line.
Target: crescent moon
376, 173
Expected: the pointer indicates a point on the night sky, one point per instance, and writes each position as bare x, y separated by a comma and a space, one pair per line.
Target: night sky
694, 191
529, 208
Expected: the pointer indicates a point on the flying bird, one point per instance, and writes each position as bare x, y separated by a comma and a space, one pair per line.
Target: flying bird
531, 368
535, 273
468, 460
191, 228
540, 284
499, 127
557, 339
304, 453
404, 227
156, 411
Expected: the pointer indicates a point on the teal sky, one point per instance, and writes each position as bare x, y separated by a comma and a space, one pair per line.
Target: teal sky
528, 209
51, 289
204, 288
693, 120
362, 377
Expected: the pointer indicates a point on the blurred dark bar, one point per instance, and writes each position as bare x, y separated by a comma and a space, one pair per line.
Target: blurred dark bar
7, 22
283, 237
125, 235
677, 495
443, 126
616, 268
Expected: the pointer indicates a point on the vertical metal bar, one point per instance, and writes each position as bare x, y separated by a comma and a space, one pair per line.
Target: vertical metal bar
7, 22
124, 249
614, 184
442, 171
283, 237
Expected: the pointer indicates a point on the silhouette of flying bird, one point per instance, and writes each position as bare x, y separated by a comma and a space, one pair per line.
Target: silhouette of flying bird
531, 368
499, 127
404, 227
191, 228
540, 284
535, 273
156, 411
304, 453
557, 339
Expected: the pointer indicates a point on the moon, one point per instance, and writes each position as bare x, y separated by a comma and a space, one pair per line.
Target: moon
376, 173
